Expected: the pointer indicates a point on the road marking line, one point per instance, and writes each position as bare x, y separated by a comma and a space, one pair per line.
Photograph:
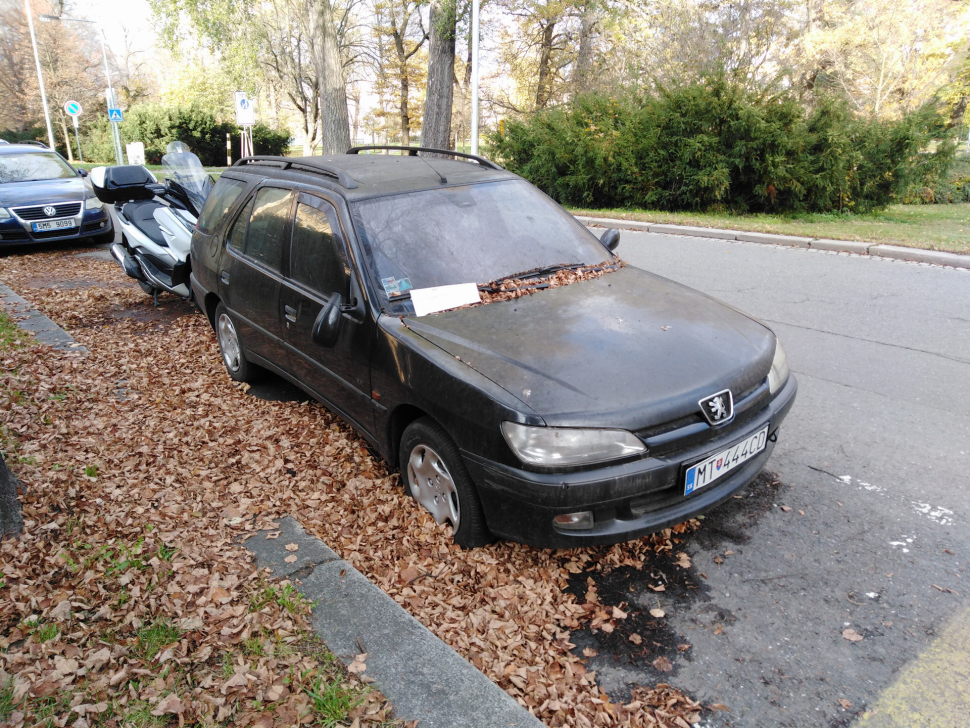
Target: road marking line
934, 690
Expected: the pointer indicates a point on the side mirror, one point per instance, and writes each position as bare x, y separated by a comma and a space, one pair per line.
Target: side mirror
82, 173
611, 238
327, 326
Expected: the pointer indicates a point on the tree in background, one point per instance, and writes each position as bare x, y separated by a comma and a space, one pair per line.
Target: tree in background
436, 126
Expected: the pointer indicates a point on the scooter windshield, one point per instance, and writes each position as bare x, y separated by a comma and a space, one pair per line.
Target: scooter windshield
185, 170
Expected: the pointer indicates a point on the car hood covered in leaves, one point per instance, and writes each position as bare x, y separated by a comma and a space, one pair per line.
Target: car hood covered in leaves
630, 349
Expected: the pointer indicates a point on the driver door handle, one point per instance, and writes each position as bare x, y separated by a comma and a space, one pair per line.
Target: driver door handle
225, 277
290, 313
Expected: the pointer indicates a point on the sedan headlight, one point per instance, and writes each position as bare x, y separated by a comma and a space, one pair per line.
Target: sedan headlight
4, 215
779, 369
93, 203
569, 446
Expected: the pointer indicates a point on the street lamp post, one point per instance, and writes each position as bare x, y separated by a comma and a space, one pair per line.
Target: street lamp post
116, 137
475, 14
40, 75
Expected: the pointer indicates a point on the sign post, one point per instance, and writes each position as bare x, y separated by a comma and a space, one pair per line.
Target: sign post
114, 116
73, 109
246, 118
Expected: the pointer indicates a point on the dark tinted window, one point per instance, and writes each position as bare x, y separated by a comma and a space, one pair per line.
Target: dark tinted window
265, 239
223, 195
315, 259
237, 236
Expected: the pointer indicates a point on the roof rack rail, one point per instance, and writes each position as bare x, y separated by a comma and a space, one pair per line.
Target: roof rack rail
33, 142
413, 152
304, 164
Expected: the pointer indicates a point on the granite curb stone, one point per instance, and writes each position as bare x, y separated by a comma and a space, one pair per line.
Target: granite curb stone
422, 677
30, 319
897, 252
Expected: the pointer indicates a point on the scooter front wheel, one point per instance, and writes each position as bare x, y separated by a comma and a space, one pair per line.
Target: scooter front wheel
231, 348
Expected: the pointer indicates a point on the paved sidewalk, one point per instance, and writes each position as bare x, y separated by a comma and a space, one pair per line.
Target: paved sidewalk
898, 252
30, 319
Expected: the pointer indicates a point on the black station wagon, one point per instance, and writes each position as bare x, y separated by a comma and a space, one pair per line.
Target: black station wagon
589, 409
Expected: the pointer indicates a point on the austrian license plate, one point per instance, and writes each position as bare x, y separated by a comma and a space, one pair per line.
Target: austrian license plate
709, 470
40, 227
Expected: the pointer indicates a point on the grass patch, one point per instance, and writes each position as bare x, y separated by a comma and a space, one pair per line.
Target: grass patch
931, 227
152, 638
11, 335
6, 699
138, 714
285, 595
332, 702
45, 632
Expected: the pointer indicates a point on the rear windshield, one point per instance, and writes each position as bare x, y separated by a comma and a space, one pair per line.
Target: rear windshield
468, 234
218, 203
33, 166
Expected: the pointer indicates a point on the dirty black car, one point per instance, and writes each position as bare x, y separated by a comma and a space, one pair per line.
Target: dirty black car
529, 384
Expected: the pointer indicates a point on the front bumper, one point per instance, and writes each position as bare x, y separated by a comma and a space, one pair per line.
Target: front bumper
88, 223
628, 501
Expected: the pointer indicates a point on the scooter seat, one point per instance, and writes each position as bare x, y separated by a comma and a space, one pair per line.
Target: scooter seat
141, 216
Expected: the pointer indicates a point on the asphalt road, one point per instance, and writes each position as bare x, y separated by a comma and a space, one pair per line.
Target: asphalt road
875, 454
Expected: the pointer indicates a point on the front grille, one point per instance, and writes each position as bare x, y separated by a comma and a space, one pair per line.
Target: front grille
36, 212
14, 235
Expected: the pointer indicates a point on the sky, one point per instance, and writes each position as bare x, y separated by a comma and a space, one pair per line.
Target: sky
117, 16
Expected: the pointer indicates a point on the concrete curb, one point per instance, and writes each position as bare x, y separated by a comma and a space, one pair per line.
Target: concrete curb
422, 677
897, 252
30, 319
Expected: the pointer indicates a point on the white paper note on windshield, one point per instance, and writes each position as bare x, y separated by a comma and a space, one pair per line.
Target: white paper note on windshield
441, 298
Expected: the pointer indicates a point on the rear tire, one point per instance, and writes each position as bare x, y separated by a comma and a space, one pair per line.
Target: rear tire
231, 348
435, 475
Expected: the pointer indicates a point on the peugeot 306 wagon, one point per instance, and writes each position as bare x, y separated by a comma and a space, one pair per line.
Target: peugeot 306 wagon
529, 384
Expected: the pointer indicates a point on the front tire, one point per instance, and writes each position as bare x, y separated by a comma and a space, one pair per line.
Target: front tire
435, 476
231, 348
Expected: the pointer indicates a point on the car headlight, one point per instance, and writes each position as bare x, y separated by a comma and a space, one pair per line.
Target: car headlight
779, 369
569, 446
4, 215
93, 203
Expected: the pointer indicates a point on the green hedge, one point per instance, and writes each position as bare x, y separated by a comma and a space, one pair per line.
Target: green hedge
156, 125
714, 145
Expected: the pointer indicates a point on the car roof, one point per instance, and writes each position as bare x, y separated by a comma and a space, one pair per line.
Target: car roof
360, 176
21, 148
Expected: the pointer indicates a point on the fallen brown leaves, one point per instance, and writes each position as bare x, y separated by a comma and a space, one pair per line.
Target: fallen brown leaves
507, 289
169, 443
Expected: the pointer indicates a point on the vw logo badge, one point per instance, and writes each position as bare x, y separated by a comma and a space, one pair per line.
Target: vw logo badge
718, 408
50, 211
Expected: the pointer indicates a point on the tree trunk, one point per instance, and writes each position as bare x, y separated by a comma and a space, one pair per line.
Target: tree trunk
67, 139
584, 59
330, 75
545, 65
405, 117
436, 129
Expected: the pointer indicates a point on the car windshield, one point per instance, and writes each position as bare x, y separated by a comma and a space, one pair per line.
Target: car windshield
33, 166
468, 234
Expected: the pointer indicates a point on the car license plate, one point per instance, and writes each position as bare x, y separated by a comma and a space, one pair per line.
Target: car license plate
709, 470
40, 227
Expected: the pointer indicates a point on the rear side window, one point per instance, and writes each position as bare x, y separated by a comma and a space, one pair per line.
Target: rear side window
222, 197
237, 236
315, 259
264, 241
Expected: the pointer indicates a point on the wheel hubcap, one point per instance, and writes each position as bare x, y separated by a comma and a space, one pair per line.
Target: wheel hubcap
432, 485
229, 343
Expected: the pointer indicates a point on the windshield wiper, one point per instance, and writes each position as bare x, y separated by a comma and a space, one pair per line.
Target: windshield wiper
542, 272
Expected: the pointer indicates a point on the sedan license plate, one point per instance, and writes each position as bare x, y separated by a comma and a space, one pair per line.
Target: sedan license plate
709, 470
40, 227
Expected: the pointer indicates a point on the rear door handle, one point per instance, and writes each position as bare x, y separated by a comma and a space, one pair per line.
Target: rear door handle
290, 313
225, 277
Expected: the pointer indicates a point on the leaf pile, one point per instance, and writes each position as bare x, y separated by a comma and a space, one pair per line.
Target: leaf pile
507, 289
169, 441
